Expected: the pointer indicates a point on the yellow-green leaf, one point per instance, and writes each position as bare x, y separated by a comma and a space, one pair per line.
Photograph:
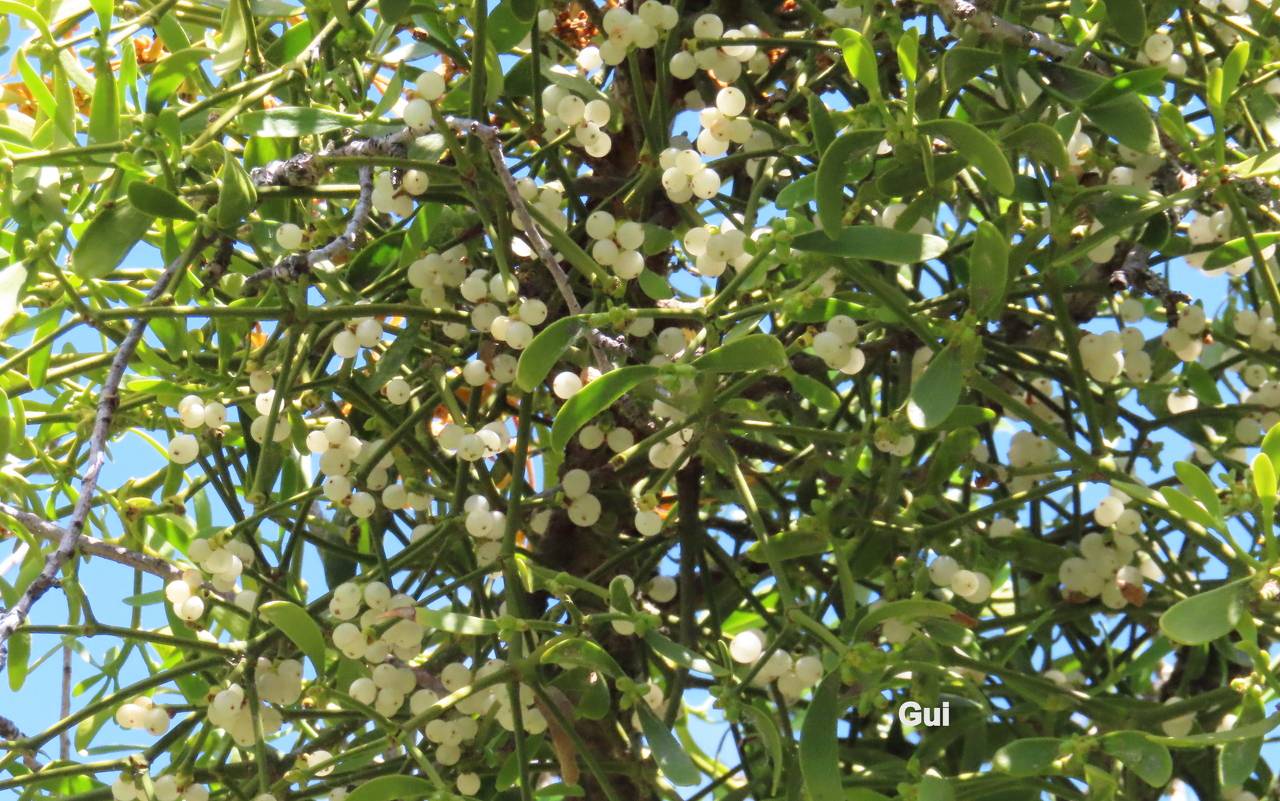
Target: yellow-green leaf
299, 626
980, 150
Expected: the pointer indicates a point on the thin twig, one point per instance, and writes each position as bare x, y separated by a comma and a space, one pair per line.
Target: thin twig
92, 546
306, 169
1002, 30
107, 404
64, 737
488, 136
10, 732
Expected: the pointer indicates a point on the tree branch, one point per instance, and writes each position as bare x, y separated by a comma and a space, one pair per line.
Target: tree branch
305, 169
69, 539
92, 546
488, 136
1002, 30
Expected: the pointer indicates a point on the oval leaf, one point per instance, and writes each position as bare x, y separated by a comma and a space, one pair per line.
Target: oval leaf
574, 652
1149, 761
749, 353
934, 395
672, 760
833, 174
237, 195
874, 243
287, 122
988, 270
819, 745
594, 398
299, 626
544, 351
159, 202
860, 58
108, 239
981, 151
905, 610
1031, 756
1205, 617
457, 623
392, 788
1042, 142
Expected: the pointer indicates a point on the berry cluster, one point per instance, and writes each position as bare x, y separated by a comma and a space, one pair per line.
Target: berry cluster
624, 30
723, 62
971, 585
363, 633
792, 675
837, 345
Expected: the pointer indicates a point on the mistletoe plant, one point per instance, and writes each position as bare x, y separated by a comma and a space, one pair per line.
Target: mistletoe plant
540, 399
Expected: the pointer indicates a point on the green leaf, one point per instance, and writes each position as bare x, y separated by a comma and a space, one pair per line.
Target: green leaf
1128, 120
234, 38
678, 654
819, 746
1205, 617
457, 623
1042, 142
1188, 509
104, 113
654, 286
1200, 486
1129, 20
288, 122
1234, 250
746, 354
299, 626
27, 12
108, 239
860, 58
1264, 479
833, 174
1232, 68
1149, 761
1271, 444
801, 191
572, 652
962, 64
909, 53
1030, 756
12, 279
817, 393
237, 195
1261, 165
935, 788
524, 10
981, 151
670, 755
875, 243
935, 393
545, 350
820, 123
1146, 81
158, 201
988, 270
905, 610
393, 788
19, 659
169, 74
1237, 760
594, 398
